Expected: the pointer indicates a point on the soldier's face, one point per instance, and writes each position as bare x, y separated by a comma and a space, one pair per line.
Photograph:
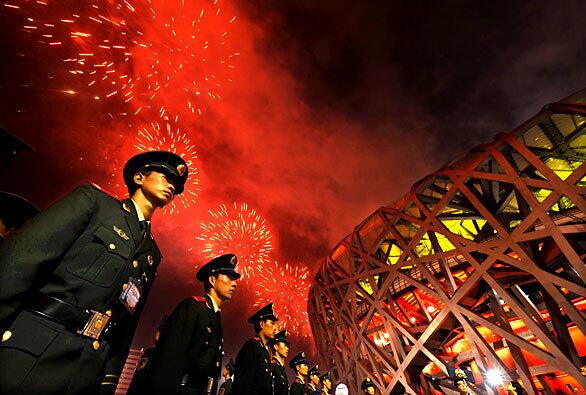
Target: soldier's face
156, 187
314, 379
303, 368
282, 349
269, 328
327, 384
223, 285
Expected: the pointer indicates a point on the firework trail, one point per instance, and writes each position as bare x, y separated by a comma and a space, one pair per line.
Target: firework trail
147, 53
240, 230
287, 286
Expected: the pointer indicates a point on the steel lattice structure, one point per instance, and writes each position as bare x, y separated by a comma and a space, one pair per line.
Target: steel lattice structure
482, 263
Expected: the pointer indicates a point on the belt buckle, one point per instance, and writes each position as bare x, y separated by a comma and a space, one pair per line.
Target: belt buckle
95, 325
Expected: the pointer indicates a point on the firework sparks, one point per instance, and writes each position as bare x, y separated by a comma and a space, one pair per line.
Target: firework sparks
169, 137
287, 286
240, 230
146, 52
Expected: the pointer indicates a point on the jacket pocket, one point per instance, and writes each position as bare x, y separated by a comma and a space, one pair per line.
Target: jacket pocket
30, 335
101, 261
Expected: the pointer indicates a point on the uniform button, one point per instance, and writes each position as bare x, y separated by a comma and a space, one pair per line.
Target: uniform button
6, 335
109, 313
217, 364
150, 260
112, 246
135, 264
124, 286
96, 345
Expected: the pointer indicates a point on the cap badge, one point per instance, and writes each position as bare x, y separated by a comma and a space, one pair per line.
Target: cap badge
233, 261
181, 170
303, 354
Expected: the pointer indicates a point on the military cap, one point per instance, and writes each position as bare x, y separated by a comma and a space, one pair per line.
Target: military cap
231, 366
367, 382
325, 376
168, 163
15, 210
314, 370
517, 388
457, 374
298, 360
266, 313
223, 264
10, 145
280, 337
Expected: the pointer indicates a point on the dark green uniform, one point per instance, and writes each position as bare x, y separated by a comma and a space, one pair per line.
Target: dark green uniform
297, 387
226, 388
76, 255
253, 369
188, 353
280, 380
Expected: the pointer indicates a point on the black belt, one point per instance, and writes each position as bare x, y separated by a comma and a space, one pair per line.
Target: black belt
198, 383
85, 322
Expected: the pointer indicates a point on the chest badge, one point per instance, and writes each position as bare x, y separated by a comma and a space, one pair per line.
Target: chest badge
150, 260
121, 233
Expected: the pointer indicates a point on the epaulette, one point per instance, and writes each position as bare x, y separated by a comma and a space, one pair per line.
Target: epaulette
199, 298
99, 188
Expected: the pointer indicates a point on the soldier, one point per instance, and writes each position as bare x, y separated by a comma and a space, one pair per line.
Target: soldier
188, 357
253, 369
280, 348
227, 373
299, 366
326, 383
14, 212
141, 373
367, 386
74, 281
313, 381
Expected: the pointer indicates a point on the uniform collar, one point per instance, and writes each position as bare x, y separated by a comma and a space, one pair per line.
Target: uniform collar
278, 361
311, 385
138, 211
301, 379
214, 305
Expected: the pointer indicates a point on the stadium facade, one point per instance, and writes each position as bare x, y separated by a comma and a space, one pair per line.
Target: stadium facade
480, 265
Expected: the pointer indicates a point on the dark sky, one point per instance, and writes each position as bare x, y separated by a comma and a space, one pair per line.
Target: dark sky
335, 109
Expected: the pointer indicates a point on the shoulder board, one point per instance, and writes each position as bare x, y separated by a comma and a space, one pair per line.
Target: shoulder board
198, 298
297, 380
99, 188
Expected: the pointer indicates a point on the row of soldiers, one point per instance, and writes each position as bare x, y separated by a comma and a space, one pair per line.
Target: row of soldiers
74, 281
188, 348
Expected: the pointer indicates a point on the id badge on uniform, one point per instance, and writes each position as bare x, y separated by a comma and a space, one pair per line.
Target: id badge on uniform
131, 294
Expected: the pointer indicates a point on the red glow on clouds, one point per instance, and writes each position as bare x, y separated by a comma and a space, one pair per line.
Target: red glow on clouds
147, 53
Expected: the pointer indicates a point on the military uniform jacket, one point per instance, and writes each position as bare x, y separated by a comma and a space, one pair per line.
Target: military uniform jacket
297, 387
280, 380
226, 388
189, 349
252, 375
311, 390
81, 250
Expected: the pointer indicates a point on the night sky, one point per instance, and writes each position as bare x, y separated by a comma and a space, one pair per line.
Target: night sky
334, 109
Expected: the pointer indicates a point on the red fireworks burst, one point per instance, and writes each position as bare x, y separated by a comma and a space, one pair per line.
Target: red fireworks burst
166, 136
287, 286
240, 230
144, 52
